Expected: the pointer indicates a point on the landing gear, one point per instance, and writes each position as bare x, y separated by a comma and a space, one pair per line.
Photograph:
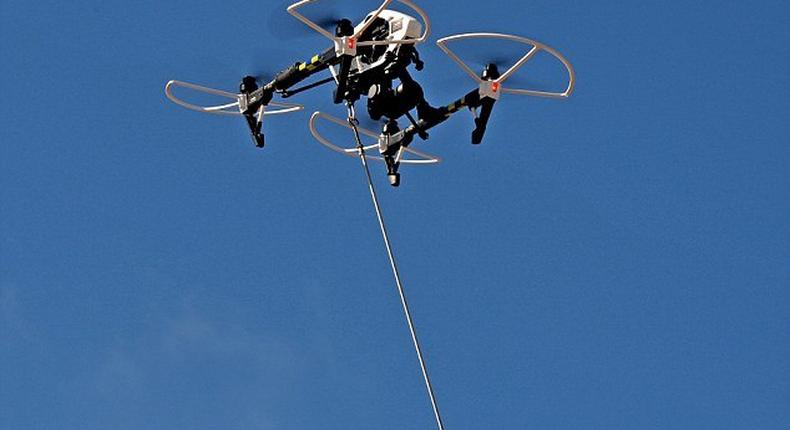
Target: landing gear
249, 85
259, 139
392, 151
392, 169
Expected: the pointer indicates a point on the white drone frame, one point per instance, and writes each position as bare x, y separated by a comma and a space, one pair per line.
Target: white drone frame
495, 89
348, 45
422, 157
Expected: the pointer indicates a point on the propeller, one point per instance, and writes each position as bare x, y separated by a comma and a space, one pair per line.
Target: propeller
264, 65
502, 62
517, 80
262, 76
283, 26
365, 121
479, 54
239, 62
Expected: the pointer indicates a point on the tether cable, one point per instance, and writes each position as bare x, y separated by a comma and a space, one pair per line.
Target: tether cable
352, 120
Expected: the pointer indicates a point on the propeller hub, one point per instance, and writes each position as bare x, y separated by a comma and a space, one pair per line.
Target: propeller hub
390, 127
248, 85
491, 72
344, 28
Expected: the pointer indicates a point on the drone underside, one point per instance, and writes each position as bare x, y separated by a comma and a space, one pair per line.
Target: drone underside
373, 60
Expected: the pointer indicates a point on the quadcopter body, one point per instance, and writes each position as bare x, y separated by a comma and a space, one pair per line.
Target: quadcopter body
391, 26
373, 60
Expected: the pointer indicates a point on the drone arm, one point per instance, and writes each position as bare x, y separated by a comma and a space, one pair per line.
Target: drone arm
301, 71
254, 100
342, 78
472, 100
285, 80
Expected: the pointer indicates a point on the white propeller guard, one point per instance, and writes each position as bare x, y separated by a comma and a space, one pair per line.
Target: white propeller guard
419, 157
224, 109
536, 47
348, 45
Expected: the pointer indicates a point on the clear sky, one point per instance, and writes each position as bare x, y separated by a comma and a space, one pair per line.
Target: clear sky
619, 260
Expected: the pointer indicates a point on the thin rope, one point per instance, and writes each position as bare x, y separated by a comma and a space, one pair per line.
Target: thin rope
360, 147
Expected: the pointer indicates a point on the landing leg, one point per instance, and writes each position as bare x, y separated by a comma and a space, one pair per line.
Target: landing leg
394, 179
391, 156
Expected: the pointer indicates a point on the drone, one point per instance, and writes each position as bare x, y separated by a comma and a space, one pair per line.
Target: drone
373, 59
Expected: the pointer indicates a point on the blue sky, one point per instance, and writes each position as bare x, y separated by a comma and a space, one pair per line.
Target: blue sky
619, 260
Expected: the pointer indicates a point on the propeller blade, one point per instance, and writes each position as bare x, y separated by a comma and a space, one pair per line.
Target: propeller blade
365, 121
283, 26
264, 65
479, 53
